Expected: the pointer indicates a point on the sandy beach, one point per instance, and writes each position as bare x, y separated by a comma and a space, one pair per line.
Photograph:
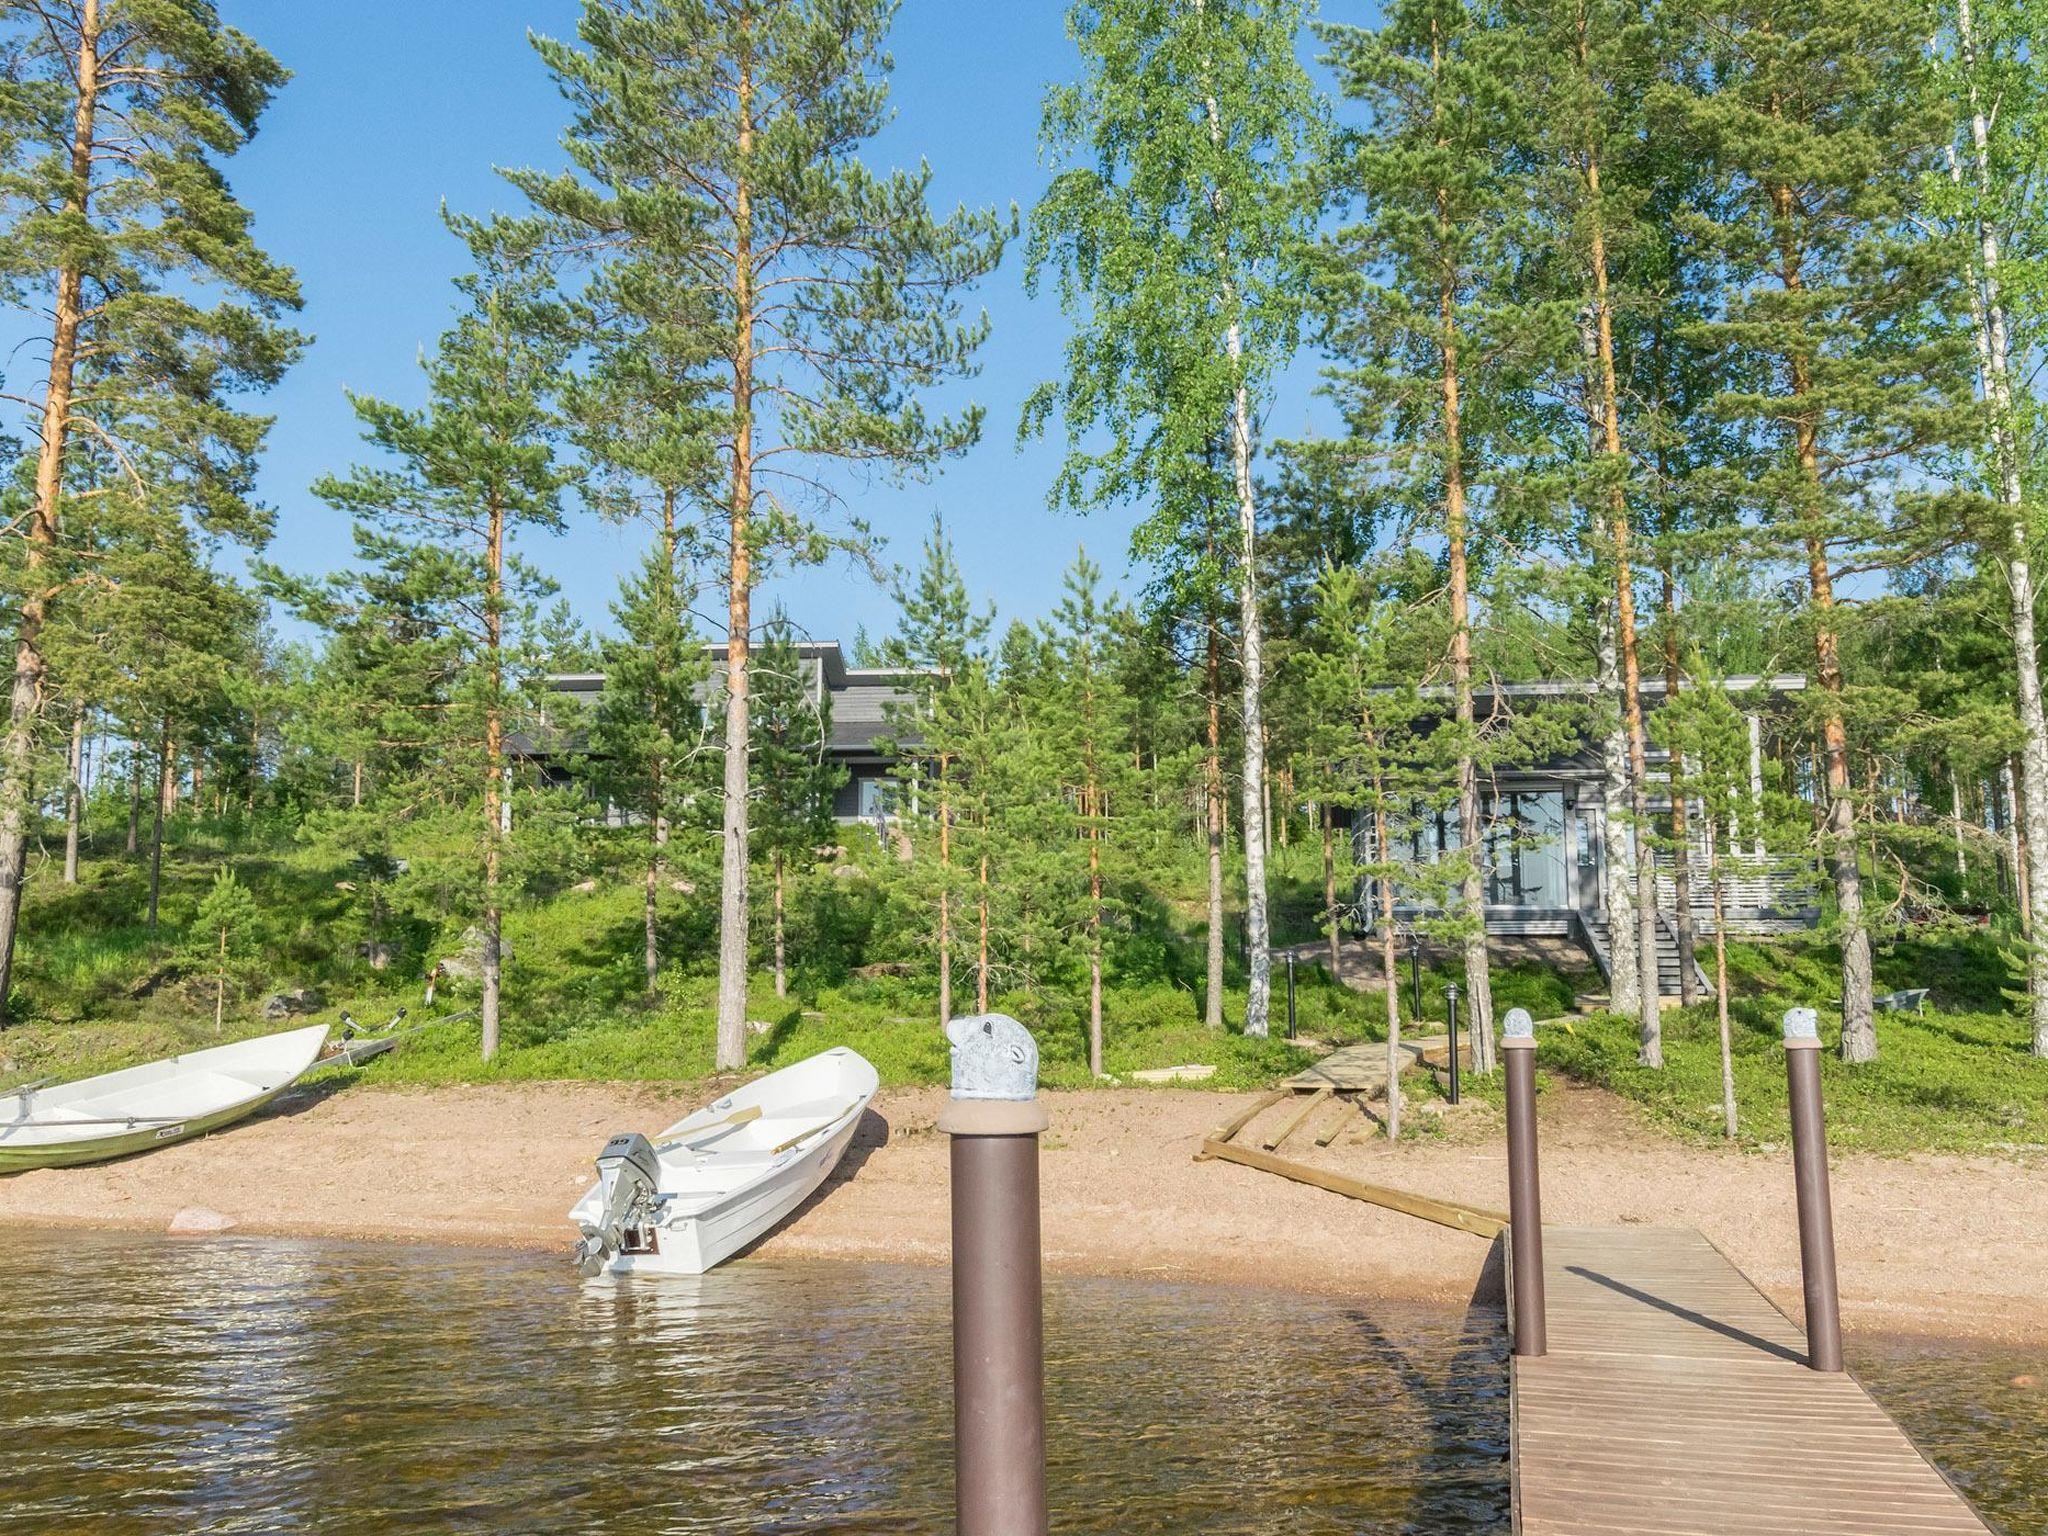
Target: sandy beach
1939, 1245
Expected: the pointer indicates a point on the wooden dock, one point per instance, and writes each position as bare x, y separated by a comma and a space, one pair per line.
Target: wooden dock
1675, 1401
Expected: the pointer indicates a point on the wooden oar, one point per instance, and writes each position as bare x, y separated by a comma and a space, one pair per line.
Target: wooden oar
784, 1146
733, 1121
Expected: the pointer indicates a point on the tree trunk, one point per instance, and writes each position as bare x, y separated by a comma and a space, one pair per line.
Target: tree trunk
781, 950
1955, 798
1388, 963
650, 921
732, 935
1859, 1028
39, 541
1617, 879
74, 795
134, 797
1330, 892
1471, 836
494, 780
945, 894
1212, 790
981, 959
1478, 980
2017, 849
1095, 942
1721, 987
1258, 941
1651, 1026
657, 866
220, 983
156, 834
1995, 364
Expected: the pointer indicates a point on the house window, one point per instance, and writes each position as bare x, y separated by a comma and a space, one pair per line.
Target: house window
1525, 851
874, 798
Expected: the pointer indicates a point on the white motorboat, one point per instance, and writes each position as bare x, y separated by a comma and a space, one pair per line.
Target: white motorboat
718, 1179
139, 1109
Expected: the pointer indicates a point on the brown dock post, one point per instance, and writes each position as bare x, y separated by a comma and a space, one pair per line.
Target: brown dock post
1810, 1179
994, 1119
1525, 1197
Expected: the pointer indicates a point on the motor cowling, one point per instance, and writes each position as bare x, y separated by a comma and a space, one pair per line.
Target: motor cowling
628, 1176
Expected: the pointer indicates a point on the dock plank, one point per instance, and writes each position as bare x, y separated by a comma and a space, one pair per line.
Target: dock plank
1675, 1401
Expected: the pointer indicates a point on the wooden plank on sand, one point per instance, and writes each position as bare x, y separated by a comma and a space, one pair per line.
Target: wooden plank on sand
1329, 1133
1238, 1122
1466, 1218
1294, 1122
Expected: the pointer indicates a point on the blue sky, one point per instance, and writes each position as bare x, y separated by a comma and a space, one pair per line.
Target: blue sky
399, 106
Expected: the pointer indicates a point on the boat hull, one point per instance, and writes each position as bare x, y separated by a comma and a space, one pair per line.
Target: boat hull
732, 1172
691, 1245
127, 1143
158, 1104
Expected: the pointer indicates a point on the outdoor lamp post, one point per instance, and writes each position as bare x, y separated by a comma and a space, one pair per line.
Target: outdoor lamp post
1451, 1008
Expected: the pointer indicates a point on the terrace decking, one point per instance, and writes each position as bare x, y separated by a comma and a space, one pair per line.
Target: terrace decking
1675, 1401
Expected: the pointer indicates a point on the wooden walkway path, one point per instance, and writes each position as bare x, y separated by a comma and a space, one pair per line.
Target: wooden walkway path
1362, 1068
1674, 1401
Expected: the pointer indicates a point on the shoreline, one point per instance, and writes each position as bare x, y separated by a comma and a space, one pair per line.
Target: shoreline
1932, 1246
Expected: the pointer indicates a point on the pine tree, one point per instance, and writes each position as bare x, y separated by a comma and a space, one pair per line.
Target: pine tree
171, 630
1424, 340
1176, 228
1823, 130
1584, 66
1087, 722
939, 634
1707, 738
649, 741
1371, 725
119, 226
793, 769
223, 935
471, 471
716, 143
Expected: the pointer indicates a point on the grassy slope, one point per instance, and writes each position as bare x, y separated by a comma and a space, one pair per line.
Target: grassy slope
101, 992
1957, 1078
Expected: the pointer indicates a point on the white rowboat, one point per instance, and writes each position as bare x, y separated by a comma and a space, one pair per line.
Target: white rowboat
141, 1108
724, 1176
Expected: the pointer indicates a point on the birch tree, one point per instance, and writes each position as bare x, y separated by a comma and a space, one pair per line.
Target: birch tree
1998, 165
1175, 232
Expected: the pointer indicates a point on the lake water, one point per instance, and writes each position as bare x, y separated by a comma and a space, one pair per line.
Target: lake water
255, 1385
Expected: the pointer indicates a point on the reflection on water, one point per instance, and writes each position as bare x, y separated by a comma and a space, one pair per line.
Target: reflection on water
252, 1385
1981, 1414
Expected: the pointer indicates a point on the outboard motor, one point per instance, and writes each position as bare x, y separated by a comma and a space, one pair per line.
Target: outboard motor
628, 1176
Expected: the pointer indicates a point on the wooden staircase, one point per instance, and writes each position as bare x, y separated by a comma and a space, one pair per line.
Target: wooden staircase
1594, 928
